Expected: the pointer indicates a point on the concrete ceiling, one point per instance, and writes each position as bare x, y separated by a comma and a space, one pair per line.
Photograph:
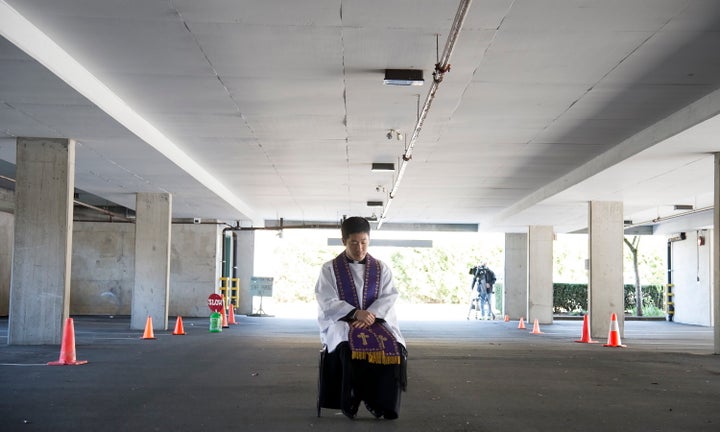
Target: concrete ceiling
253, 111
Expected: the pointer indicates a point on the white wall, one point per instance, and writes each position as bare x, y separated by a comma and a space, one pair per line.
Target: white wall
103, 268
692, 279
194, 268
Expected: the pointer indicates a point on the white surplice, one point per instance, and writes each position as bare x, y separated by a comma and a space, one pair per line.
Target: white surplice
331, 309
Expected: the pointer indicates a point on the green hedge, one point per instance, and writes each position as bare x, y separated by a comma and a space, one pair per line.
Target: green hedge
572, 298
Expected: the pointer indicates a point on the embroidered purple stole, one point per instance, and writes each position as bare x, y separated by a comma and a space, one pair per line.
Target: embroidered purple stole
376, 344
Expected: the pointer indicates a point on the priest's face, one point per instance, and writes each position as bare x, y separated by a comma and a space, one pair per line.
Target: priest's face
356, 246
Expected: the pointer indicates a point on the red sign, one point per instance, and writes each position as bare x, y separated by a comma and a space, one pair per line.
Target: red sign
215, 302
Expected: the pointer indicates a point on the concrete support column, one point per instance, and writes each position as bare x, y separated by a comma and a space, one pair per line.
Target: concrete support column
605, 287
716, 258
540, 274
151, 292
7, 229
245, 250
516, 275
40, 286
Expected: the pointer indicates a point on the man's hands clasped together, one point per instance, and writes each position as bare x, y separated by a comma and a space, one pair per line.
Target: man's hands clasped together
363, 319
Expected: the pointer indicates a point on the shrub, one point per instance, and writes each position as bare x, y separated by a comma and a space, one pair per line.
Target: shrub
572, 298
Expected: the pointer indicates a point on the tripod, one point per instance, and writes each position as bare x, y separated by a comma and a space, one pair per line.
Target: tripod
474, 304
479, 301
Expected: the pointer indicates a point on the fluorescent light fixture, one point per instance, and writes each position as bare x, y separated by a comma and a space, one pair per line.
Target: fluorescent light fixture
382, 167
403, 77
374, 203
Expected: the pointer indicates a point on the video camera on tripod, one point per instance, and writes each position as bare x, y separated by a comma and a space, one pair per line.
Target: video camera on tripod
483, 280
482, 272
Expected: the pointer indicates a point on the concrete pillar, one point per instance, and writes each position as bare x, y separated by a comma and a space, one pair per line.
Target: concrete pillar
40, 286
245, 250
195, 268
516, 275
605, 287
540, 274
7, 228
716, 258
151, 292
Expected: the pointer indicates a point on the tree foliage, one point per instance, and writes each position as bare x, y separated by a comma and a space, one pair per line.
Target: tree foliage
572, 298
429, 275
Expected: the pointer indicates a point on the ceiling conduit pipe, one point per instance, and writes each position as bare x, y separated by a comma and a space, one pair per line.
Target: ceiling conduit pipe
91, 207
441, 67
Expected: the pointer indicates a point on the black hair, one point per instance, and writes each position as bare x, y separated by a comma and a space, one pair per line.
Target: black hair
354, 225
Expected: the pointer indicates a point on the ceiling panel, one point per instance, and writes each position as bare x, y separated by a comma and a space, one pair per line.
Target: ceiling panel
283, 104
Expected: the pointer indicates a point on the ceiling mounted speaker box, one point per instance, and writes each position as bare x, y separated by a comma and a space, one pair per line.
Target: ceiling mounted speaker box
403, 77
382, 167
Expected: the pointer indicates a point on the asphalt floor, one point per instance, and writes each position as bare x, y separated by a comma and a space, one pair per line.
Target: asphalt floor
463, 375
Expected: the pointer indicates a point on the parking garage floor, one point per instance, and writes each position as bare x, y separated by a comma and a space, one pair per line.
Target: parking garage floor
464, 375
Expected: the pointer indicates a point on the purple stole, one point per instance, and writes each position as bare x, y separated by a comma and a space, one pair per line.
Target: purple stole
375, 344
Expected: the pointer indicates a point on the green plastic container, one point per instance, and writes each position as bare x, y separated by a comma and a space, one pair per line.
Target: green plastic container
215, 322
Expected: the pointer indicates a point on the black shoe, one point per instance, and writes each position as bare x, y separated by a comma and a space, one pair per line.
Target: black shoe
351, 411
391, 415
373, 411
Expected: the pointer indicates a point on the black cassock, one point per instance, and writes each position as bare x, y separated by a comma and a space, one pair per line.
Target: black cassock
343, 383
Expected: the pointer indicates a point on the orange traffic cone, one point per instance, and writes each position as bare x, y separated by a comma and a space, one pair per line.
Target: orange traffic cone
224, 319
231, 315
586, 338
148, 329
507, 318
179, 330
67, 348
614, 334
521, 324
536, 328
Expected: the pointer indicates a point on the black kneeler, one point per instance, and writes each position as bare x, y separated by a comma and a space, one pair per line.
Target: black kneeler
329, 381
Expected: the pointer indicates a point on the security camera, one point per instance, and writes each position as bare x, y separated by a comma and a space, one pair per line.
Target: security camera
389, 135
